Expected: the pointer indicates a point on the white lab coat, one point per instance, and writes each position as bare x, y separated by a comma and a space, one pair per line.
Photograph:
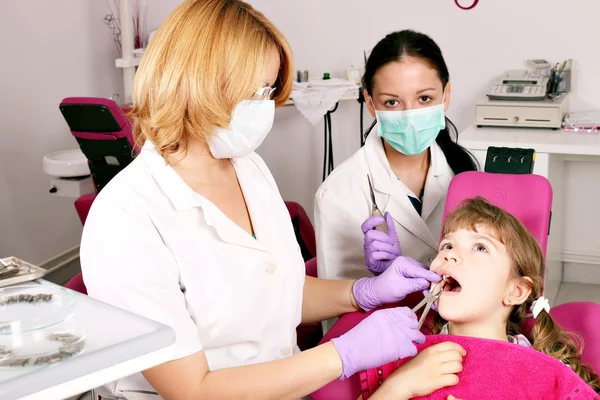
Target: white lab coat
343, 203
153, 246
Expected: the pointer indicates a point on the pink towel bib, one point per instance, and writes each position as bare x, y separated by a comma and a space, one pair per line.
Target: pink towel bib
496, 370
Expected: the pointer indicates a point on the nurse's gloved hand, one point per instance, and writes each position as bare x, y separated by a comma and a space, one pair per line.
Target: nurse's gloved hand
381, 249
382, 337
403, 277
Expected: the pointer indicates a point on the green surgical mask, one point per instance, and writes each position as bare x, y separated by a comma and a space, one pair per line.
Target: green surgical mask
411, 132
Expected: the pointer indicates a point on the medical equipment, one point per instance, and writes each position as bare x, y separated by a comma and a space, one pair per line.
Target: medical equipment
583, 121
14, 271
522, 114
509, 160
375, 211
70, 173
354, 74
519, 85
37, 326
433, 295
539, 64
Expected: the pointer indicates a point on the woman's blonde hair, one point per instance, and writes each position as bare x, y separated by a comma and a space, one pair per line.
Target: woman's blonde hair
206, 57
527, 261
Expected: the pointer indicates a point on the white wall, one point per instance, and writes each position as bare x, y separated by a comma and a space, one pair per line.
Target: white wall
49, 50
479, 45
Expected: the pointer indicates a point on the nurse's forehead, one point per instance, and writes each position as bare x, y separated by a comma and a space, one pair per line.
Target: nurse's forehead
406, 76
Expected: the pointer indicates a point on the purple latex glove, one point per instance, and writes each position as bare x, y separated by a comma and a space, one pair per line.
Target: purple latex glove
403, 277
385, 336
381, 249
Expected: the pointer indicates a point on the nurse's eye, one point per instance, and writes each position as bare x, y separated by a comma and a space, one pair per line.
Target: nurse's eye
391, 103
481, 248
424, 99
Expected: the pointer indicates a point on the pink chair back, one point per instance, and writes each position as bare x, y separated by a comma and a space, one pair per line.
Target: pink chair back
104, 134
305, 232
528, 197
582, 318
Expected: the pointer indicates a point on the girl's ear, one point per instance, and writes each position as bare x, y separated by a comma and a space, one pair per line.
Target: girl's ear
519, 290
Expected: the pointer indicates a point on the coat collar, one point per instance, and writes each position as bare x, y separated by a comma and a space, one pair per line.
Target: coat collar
184, 198
393, 194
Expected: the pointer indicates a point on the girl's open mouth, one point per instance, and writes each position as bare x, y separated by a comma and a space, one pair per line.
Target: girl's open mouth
451, 285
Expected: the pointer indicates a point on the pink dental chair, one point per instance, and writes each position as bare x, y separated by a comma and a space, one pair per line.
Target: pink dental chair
529, 198
104, 135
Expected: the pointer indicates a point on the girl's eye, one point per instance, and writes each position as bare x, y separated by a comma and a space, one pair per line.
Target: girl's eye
425, 99
445, 246
481, 248
391, 103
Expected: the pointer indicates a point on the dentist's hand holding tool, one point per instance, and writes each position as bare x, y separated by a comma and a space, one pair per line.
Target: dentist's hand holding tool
403, 277
381, 248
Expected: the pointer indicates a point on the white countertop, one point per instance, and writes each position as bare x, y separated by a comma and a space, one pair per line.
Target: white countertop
541, 140
118, 344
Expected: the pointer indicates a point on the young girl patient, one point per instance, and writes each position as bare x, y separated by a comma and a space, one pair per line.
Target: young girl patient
493, 271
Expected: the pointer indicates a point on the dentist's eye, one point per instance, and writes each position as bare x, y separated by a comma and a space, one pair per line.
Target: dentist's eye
425, 99
391, 103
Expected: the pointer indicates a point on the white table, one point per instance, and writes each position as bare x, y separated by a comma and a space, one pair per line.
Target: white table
118, 344
553, 148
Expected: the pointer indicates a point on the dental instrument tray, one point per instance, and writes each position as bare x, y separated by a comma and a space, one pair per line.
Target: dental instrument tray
38, 326
14, 271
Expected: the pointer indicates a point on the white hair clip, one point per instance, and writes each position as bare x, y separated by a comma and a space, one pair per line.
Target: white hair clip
540, 304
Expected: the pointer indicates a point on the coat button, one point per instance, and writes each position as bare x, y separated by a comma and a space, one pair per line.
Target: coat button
286, 350
271, 269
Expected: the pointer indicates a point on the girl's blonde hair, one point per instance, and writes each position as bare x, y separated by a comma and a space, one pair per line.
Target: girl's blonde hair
206, 57
527, 261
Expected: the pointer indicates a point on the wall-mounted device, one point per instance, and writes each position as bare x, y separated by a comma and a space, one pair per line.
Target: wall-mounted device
522, 114
519, 85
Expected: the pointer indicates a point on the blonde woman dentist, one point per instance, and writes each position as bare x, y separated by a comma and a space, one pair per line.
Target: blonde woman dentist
410, 157
194, 233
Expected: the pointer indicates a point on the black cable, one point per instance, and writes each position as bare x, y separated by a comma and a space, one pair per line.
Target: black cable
328, 163
330, 144
362, 138
325, 152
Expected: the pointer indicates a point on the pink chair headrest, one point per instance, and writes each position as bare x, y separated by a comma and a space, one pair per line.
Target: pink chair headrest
526, 196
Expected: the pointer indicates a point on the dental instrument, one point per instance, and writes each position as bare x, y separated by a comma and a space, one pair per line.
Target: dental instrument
433, 295
375, 211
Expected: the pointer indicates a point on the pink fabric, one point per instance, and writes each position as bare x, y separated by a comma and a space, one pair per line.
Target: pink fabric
497, 370
309, 334
83, 205
582, 318
528, 197
76, 283
307, 231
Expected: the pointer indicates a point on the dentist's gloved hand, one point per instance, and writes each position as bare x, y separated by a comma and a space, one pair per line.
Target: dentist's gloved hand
381, 249
403, 277
382, 337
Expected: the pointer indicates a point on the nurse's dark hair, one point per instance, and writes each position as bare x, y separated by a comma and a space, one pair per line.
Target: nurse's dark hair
398, 46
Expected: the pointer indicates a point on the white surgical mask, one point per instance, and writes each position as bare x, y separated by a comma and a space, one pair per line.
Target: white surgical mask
251, 121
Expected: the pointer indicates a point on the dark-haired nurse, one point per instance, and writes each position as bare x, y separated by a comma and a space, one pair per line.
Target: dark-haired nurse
411, 155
